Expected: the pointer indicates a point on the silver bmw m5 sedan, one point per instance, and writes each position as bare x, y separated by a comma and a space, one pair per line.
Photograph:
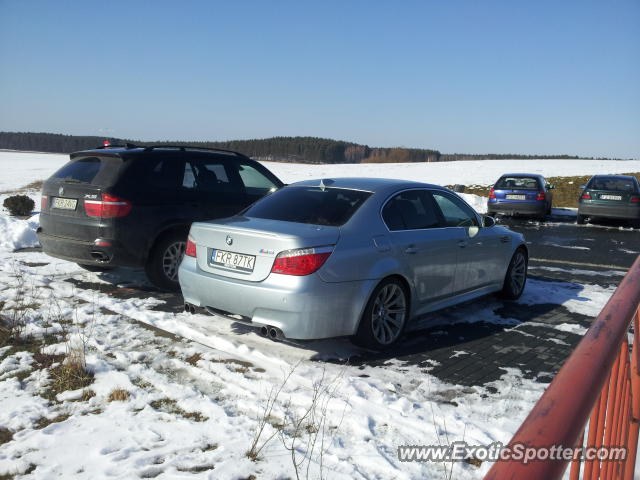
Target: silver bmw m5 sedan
354, 257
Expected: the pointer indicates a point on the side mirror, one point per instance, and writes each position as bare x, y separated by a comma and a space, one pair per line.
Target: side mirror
582, 187
550, 186
488, 221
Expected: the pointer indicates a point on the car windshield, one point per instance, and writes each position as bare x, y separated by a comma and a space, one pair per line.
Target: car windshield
517, 183
314, 205
613, 184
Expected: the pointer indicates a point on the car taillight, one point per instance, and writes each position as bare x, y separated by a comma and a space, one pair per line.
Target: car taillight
586, 196
190, 249
43, 202
635, 199
492, 193
540, 196
301, 261
109, 206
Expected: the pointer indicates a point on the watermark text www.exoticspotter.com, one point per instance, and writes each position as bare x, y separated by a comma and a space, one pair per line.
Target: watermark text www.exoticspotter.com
518, 452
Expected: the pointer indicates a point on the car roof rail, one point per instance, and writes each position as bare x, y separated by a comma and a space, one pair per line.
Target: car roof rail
148, 148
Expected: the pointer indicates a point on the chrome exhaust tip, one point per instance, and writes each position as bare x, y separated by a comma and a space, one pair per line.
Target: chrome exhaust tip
275, 333
189, 308
264, 331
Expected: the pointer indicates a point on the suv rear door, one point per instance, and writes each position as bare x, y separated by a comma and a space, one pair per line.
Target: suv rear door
214, 185
223, 187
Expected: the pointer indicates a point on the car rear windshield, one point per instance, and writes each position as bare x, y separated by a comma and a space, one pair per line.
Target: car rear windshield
517, 183
615, 184
94, 170
314, 205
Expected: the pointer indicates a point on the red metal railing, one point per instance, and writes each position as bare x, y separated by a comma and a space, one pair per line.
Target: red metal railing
599, 382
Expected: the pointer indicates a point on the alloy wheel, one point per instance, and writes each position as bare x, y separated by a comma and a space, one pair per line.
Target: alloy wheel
171, 260
518, 273
388, 314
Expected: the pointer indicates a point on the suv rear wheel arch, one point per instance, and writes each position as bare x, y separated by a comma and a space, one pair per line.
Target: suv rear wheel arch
164, 256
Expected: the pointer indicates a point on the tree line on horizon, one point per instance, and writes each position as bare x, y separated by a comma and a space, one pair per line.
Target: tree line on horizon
278, 149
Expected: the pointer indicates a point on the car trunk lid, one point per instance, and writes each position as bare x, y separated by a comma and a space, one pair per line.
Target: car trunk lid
253, 244
516, 194
610, 196
66, 191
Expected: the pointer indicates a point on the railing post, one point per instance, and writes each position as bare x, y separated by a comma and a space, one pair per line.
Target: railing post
634, 426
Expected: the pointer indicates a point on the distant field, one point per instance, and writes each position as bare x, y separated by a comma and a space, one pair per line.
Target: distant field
565, 195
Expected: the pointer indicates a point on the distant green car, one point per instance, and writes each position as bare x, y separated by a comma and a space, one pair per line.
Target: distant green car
610, 196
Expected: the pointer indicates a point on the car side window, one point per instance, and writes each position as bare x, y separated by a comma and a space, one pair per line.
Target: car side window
163, 175
209, 176
255, 183
410, 210
454, 211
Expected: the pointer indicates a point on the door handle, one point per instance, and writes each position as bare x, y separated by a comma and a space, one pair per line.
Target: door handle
411, 249
462, 243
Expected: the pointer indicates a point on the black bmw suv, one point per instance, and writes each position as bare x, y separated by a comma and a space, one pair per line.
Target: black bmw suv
132, 206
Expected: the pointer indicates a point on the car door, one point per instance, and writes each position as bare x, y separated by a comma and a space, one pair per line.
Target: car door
427, 252
213, 187
479, 252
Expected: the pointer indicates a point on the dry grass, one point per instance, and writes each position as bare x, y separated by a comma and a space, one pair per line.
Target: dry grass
6, 435
194, 359
45, 422
169, 405
72, 374
31, 186
45, 360
196, 469
118, 395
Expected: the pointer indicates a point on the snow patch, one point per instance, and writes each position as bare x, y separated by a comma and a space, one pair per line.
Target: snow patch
16, 233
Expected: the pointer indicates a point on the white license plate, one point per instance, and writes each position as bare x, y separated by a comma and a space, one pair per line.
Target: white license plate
610, 197
65, 203
516, 197
236, 261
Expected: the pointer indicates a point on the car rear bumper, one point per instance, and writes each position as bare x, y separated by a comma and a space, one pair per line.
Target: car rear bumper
83, 252
631, 212
302, 307
517, 208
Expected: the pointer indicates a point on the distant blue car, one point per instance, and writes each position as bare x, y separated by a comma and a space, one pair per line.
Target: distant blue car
521, 194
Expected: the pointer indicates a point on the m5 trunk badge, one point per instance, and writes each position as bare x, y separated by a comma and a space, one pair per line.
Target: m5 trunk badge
229, 240
61, 191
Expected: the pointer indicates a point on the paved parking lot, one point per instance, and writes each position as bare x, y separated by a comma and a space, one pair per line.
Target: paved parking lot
472, 352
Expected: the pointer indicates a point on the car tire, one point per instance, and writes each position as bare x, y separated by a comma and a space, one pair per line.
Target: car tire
580, 219
516, 276
164, 259
96, 268
378, 330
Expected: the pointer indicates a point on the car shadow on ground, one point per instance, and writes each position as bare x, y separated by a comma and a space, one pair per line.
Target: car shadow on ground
469, 344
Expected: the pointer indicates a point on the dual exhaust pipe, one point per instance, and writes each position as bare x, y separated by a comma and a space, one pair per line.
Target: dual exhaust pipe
274, 333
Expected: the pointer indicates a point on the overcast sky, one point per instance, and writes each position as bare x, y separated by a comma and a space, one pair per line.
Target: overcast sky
458, 76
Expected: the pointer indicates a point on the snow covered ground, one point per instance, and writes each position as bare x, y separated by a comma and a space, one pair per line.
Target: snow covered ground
194, 405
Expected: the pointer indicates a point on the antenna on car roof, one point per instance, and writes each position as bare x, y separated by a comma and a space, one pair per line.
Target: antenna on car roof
324, 183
